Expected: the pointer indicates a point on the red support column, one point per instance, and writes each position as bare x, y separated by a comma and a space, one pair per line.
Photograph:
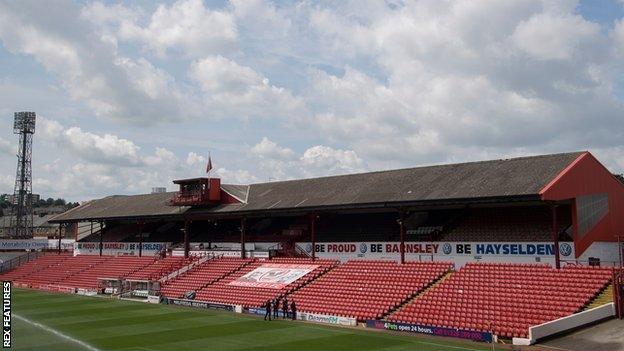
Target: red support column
60, 236
243, 229
313, 234
141, 225
101, 237
187, 244
616, 294
402, 234
555, 230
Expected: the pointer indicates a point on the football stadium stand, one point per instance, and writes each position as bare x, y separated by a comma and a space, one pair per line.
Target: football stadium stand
224, 290
494, 248
505, 298
360, 289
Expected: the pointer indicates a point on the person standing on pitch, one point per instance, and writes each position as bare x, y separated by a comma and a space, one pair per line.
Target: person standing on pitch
293, 310
285, 307
268, 310
276, 304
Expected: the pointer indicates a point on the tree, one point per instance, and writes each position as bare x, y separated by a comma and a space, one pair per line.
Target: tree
49, 201
59, 202
4, 203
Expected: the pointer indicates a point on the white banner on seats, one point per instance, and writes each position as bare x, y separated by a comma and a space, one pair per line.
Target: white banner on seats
273, 275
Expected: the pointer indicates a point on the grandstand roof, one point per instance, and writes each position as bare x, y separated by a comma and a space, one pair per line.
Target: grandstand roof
522, 177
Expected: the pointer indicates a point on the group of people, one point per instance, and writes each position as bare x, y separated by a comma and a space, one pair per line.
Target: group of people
288, 310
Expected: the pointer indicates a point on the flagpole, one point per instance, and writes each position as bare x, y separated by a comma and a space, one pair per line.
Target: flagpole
209, 166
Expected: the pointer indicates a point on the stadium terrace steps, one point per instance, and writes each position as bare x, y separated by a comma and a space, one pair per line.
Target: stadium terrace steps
367, 289
222, 292
419, 293
202, 275
602, 298
31, 267
505, 298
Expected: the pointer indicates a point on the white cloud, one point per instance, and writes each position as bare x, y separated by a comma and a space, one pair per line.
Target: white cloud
269, 149
108, 18
279, 163
266, 23
193, 159
548, 37
186, 26
6, 147
105, 148
618, 37
162, 157
89, 67
236, 176
458, 82
231, 89
6, 184
323, 160
102, 149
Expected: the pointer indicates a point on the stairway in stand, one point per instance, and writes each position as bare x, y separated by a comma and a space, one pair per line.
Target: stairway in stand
602, 298
419, 294
292, 235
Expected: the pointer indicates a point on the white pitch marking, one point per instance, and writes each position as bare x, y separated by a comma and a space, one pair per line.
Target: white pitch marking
57, 333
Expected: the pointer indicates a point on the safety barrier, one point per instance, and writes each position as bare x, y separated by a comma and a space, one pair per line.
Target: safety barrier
570, 322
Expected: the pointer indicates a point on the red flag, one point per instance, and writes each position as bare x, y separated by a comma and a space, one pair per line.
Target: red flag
209, 166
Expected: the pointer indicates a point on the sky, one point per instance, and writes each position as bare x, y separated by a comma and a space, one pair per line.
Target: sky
131, 95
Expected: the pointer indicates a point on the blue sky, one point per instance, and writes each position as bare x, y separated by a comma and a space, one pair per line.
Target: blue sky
131, 95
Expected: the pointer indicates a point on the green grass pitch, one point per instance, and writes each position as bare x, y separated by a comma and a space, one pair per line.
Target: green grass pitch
46, 321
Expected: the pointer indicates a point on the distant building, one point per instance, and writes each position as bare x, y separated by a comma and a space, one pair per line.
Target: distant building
159, 190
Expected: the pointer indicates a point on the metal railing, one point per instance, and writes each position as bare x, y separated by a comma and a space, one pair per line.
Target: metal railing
301, 251
190, 198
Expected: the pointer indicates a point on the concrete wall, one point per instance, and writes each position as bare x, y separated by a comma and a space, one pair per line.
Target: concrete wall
574, 321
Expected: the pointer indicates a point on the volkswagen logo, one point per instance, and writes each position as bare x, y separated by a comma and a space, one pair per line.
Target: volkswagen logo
447, 248
309, 248
363, 248
565, 249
